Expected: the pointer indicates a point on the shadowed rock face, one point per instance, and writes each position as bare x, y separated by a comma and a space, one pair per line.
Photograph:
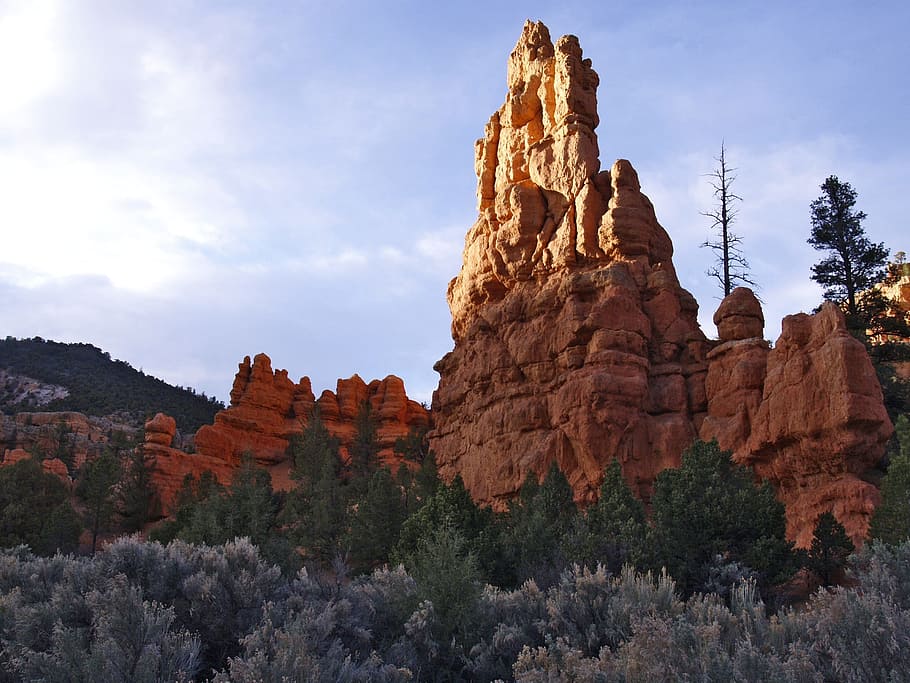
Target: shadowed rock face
807, 415
575, 343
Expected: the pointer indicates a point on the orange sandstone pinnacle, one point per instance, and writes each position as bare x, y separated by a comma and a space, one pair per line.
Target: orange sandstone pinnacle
575, 343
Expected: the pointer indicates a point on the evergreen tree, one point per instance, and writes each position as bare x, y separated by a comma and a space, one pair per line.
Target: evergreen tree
711, 506
452, 505
539, 523
891, 520
97, 488
830, 549
35, 510
613, 530
190, 504
364, 449
446, 571
376, 522
137, 502
316, 509
415, 446
63, 447
854, 263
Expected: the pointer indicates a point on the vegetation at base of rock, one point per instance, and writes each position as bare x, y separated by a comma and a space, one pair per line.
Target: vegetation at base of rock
35, 510
710, 506
143, 611
100, 386
891, 520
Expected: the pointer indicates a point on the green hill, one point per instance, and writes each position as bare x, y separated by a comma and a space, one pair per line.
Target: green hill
96, 384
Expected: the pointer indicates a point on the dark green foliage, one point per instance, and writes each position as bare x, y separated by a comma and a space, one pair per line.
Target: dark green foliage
100, 386
895, 389
63, 447
854, 263
415, 447
97, 487
376, 522
419, 485
830, 549
136, 502
448, 586
536, 540
711, 506
613, 530
891, 520
364, 450
315, 511
211, 514
35, 510
452, 506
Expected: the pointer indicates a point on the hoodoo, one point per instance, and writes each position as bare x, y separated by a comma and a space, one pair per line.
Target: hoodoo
576, 344
267, 409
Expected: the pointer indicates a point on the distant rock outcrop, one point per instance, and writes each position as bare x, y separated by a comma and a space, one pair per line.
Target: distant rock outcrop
267, 409
576, 344
47, 434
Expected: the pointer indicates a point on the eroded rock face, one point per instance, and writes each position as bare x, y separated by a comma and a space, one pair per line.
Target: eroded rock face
266, 410
807, 415
821, 424
79, 436
574, 341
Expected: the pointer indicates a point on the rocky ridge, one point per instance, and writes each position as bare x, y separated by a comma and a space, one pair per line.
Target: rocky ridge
267, 409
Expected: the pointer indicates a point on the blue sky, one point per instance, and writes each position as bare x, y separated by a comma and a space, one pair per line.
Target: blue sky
184, 183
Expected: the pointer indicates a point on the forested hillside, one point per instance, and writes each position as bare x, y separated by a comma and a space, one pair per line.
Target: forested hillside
95, 384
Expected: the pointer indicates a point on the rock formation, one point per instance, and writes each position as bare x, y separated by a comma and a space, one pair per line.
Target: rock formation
79, 436
52, 465
807, 415
575, 343
267, 409
169, 466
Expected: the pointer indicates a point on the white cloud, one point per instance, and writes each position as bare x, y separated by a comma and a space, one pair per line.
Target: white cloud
30, 65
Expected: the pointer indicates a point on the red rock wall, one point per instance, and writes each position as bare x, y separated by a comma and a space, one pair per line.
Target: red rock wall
266, 410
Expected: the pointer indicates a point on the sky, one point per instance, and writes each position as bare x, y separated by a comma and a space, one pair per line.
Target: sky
184, 183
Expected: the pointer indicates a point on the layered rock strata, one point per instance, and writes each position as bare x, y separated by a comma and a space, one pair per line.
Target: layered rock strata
267, 409
574, 341
576, 344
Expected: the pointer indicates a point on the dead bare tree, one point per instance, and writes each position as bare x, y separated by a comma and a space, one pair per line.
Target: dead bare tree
731, 267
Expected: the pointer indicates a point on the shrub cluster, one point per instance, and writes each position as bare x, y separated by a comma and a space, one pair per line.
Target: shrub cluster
143, 611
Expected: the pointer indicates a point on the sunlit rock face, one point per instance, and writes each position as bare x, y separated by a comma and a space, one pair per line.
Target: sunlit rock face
267, 409
576, 344
574, 341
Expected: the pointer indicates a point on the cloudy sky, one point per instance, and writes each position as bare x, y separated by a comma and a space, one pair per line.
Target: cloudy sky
183, 183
